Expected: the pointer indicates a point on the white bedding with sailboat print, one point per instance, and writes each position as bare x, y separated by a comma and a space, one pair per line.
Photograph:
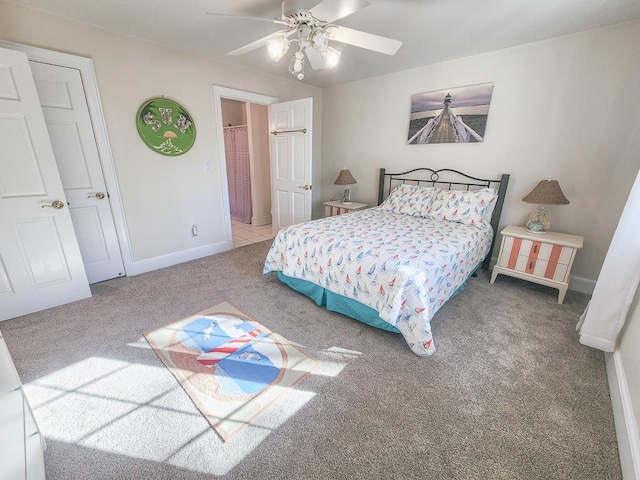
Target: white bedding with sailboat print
404, 267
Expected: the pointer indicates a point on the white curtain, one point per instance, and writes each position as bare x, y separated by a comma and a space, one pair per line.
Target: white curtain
616, 287
236, 149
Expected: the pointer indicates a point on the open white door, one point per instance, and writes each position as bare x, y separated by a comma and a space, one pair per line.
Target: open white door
290, 124
40, 262
66, 113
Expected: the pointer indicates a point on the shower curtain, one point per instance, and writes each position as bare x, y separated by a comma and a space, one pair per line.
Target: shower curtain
236, 147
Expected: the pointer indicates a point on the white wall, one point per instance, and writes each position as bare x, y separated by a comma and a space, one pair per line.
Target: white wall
566, 107
162, 196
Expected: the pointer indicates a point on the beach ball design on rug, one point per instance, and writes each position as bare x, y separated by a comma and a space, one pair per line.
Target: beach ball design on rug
231, 366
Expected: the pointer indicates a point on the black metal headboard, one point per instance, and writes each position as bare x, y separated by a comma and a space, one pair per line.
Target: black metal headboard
449, 180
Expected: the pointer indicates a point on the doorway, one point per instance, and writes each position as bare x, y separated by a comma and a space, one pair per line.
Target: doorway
246, 141
290, 127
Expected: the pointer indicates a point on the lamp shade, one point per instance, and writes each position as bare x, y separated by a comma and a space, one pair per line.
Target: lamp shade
345, 178
547, 192
277, 47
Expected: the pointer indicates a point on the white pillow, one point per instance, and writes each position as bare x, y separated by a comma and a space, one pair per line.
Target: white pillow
409, 199
471, 207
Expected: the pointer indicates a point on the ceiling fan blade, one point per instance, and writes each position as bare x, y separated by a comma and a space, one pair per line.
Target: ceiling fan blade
315, 59
366, 40
228, 15
258, 43
331, 10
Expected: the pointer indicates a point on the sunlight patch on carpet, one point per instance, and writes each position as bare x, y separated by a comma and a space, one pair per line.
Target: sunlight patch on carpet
137, 410
231, 367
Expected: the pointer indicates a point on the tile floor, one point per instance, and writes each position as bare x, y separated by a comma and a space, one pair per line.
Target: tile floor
244, 234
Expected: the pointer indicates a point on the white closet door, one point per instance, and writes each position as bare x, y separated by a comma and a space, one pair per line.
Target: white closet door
66, 113
40, 262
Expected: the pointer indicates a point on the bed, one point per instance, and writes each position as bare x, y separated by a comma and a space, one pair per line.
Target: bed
395, 265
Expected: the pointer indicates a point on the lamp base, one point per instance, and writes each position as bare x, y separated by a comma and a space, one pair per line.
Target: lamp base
346, 196
539, 222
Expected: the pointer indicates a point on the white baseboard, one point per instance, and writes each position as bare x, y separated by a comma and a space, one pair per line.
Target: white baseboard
259, 221
582, 285
156, 263
624, 418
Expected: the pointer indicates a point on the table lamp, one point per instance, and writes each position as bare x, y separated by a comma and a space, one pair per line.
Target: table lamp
345, 178
547, 192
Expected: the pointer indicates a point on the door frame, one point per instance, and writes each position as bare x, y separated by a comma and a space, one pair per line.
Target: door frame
229, 93
89, 82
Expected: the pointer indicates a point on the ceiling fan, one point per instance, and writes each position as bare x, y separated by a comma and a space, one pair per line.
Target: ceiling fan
310, 24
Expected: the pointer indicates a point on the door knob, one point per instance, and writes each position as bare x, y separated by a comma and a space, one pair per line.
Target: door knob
305, 187
57, 204
98, 195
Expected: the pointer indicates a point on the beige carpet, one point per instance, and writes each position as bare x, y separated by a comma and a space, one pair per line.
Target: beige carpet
510, 393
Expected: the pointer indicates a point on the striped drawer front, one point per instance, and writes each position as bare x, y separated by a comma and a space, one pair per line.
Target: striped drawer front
536, 258
331, 211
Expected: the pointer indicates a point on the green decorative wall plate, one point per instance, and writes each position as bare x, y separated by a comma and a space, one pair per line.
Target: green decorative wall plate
165, 126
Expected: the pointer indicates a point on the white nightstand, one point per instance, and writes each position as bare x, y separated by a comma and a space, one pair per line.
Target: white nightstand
336, 207
540, 258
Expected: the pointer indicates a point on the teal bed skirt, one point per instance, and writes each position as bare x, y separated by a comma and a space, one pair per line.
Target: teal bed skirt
346, 306
337, 303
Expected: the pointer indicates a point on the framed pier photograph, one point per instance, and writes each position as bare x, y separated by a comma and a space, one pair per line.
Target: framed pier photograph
454, 115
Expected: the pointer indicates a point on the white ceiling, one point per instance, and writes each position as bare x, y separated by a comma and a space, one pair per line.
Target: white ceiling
432, 31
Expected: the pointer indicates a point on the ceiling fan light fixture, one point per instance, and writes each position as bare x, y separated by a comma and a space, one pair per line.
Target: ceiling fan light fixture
319, 38
296, 67
331, 56
277, 47
310, 23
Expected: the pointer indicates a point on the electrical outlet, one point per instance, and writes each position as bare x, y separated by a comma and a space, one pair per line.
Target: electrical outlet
194, 230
